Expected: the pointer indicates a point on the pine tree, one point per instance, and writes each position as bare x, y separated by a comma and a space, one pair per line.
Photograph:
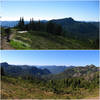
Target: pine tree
39, 25
29, 25
32, 24
50, 27
21, 25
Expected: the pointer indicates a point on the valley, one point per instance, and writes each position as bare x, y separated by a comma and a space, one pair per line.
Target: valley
24, 82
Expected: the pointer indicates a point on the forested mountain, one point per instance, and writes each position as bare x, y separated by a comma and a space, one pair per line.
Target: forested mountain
95, 23
73, 83
63, 33
23, 70
81, 71
53, 72
79, 29
75, 29
56, 69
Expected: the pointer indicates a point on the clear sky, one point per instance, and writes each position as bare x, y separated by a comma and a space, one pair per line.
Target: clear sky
50, 57
79, 10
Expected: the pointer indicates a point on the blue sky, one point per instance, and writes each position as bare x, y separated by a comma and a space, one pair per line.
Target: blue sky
50, 57
79, 10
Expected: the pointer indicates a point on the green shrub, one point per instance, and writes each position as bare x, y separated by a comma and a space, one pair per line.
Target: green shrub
19, 44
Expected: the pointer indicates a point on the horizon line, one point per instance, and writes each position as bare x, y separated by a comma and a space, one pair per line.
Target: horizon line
55, 19
46, 19
46, 65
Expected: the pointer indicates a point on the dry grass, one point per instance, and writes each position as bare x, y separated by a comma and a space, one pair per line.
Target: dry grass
22, 89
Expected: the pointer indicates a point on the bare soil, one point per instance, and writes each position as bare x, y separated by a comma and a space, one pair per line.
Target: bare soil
5, 45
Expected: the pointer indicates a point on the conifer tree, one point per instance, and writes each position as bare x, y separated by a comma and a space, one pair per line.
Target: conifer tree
32, 24
39, 25
21, 25
29, 25
50, 27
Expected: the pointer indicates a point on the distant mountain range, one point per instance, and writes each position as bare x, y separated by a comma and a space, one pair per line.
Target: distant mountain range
14, 23
63, 22
81, 71
9, 23
49, 72
23, 70
56, 69
41, 70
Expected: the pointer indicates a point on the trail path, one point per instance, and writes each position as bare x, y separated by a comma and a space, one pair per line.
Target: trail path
5, 45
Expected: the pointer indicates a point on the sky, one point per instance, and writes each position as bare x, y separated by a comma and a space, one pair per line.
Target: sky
50, 57
47, 10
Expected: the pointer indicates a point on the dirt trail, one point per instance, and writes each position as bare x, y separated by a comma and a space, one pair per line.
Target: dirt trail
5, 45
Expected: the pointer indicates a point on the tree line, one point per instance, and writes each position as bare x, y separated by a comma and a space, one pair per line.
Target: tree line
49, 26
67, 85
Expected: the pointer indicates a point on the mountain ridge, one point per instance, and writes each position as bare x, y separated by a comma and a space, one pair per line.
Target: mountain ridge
46, 70
79, 71
13, 23
54, 69
23, 70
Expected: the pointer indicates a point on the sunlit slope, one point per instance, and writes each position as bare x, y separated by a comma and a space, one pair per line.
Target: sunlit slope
43, 40
17, 88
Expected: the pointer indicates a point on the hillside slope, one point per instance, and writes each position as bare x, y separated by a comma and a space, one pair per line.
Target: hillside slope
73, 83
86, 72
23, 70
17, 88
43, 40
80, 29
63, 33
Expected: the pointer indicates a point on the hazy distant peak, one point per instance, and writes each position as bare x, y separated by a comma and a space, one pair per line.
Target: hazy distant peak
69, 18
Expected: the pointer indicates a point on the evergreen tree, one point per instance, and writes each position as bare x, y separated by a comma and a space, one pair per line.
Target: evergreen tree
29, 25
39, 25
50, 27
21, 25
32, 24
